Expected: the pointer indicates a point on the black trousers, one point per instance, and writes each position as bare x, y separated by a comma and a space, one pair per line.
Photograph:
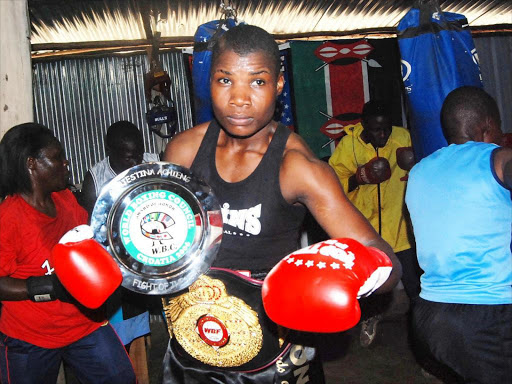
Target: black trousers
475, 341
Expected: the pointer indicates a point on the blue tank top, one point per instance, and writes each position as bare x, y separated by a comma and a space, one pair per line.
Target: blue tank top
260, 226
462, 219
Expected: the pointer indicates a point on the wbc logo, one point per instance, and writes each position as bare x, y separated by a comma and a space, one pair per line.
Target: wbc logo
158, 227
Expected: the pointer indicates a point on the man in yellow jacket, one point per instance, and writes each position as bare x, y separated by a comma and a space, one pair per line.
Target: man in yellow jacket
372, 162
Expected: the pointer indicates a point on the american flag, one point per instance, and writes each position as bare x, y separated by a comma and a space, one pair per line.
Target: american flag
284, 113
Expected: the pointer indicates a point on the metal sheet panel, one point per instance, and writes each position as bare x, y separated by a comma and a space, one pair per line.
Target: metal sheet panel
79, 98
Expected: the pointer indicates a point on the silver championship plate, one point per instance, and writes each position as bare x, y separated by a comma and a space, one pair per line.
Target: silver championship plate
161, 224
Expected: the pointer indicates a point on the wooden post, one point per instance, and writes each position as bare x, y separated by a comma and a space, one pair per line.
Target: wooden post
16, 103
139, 358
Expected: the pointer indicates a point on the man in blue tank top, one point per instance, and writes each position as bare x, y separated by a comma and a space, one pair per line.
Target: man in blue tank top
264, 177
460, 205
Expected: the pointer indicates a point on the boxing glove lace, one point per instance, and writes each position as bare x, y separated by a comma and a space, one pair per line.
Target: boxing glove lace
375, 171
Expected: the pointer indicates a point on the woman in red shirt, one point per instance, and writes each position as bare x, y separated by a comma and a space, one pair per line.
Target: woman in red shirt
40, 324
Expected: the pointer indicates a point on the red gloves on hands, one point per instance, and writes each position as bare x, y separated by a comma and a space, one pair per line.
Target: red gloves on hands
405, 158
375, 171
315, 289
85, 268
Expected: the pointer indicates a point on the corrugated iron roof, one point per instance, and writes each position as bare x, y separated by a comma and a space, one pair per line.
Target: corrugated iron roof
64, 21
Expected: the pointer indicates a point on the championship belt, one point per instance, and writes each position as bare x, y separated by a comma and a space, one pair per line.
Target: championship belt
161, 224
220, 333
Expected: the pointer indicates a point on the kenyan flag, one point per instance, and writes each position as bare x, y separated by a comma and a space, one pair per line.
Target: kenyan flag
332, 80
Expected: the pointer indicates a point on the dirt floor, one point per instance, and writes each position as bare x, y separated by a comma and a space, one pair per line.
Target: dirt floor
388, 360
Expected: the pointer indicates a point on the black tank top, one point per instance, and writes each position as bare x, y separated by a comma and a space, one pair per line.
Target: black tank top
260, 226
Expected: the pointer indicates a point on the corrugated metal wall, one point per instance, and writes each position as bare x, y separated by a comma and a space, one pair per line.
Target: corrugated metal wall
79, 98
495, 56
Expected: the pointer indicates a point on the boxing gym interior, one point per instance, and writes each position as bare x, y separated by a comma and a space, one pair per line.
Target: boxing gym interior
77, 67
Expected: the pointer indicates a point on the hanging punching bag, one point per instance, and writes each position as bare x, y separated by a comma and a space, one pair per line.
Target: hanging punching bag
438, 55
204, 40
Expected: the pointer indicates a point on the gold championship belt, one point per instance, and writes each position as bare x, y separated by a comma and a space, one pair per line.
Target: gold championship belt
220, 333
214, 327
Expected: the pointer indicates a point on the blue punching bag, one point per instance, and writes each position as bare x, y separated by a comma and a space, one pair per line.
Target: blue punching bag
438, 56
204, 39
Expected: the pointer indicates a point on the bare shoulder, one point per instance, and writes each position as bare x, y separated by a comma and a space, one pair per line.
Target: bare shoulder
297, 150
183, 147
301, 168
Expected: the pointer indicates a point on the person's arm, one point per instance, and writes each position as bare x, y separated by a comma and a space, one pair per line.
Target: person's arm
183, 147
344, 167
12, 289
35, 288
88, 194
309, 181
351, 176
503, 166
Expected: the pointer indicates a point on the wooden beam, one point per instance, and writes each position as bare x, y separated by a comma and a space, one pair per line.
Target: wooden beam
101, 47
145, 10
16, 104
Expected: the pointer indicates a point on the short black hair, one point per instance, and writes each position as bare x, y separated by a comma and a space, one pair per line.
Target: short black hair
376, 108
123, 131
245, 39
465, 111
17, 145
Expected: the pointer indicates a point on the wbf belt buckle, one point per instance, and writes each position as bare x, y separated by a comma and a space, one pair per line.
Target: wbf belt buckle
161, 224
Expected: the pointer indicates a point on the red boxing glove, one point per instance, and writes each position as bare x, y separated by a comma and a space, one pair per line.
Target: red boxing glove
315, 289
375, 171
85, 268
405, 158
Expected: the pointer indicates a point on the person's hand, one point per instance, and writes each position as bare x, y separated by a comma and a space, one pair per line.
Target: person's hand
375, 171
85, 268
315, 289
405, 158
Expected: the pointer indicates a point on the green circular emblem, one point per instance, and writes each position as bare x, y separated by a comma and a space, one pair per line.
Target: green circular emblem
158, 227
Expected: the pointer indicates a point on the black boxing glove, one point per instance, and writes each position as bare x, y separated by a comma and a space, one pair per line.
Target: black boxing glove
375, 171
405, 158
47, 288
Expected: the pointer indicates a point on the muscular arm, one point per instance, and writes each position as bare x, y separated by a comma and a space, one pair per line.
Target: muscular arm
309, 181
183, 147
503, 166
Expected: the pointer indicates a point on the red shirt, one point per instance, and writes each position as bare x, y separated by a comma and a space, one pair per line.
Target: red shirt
27, 237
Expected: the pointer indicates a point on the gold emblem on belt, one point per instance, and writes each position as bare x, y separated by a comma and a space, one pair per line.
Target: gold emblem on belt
212, 326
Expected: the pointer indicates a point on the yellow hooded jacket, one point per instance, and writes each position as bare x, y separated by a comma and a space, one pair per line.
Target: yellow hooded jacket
353, 152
